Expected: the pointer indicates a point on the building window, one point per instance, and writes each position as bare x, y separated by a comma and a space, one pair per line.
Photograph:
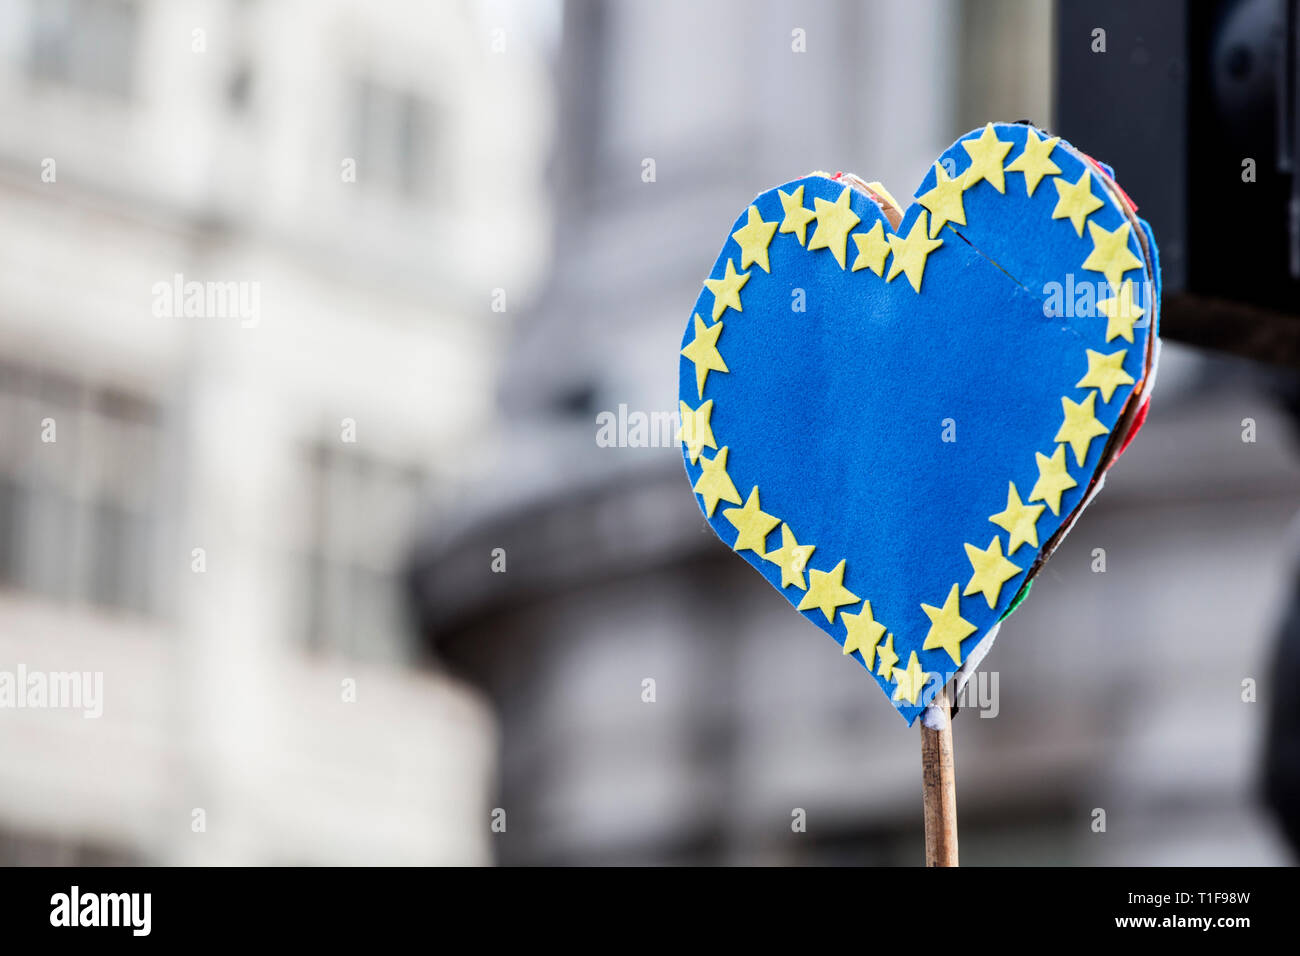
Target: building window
88, 45
392, 133
362, 519
78, 488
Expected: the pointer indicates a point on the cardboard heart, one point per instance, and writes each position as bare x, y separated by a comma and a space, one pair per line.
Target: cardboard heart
895, 426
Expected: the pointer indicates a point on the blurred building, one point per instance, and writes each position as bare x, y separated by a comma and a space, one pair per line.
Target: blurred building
1125, 689
211, 504
212, 498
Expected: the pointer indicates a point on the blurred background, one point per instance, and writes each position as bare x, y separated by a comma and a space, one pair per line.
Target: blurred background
364, 586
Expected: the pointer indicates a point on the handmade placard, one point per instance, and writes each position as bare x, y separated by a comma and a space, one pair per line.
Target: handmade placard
895, 415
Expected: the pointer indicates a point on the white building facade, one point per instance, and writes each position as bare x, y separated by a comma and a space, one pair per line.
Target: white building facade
208, 497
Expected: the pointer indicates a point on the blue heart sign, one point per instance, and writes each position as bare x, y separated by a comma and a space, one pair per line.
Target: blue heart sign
894, 415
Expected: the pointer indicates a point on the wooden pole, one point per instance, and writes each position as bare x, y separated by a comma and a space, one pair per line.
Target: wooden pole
939, 787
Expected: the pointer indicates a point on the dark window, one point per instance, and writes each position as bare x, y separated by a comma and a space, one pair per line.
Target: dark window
363, 514
85, 44
78, 513
392, 136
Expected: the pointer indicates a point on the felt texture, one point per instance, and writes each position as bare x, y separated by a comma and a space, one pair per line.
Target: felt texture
916, 435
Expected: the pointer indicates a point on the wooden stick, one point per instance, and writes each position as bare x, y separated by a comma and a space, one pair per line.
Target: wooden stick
939, 787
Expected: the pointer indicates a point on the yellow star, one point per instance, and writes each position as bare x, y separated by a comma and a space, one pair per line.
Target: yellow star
703, 351
991, 571
752, 524
1105, 372
1035, 161
1053, 479
1075, 201
696, 431
888, 658
986, 156
834, 220
1081, 425
1121, 312
910, 253
1020, 520
947, 627
796, 216
1110, 254
754, 238
943, 201
826, 591
715, 484
792, 558
910, 681
873, 248
864, 633
726, 291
